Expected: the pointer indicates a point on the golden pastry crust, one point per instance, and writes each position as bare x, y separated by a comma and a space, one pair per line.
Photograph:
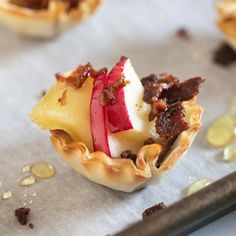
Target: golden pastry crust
45, 22
123, 174
227, 20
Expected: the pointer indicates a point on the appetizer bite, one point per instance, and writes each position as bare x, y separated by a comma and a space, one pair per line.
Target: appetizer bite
227, 20
44, 18
118, 130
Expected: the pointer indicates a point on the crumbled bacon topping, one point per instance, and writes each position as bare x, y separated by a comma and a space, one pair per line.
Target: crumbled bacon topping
183, 33
43, 93
31, 225
22, 215
166, 144
165, 93
62, 99
157, 79
32, 4
108, 96
157, 106
77, 78
128, 154
183, 91
148, 141
153, 210
224, 55
42, 4
155, 84
72, 3
170, 122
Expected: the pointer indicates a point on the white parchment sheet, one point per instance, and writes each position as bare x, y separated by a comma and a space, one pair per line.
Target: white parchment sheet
143, 30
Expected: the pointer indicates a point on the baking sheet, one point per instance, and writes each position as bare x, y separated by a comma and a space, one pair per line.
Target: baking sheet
144, 30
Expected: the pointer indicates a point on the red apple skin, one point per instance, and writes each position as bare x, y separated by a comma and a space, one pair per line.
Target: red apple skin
98, 117
117, 114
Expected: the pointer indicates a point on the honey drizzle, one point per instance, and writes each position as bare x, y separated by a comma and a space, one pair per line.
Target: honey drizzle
222, 131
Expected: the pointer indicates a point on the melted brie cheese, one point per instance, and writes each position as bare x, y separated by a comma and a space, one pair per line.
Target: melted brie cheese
73, 117
133, 139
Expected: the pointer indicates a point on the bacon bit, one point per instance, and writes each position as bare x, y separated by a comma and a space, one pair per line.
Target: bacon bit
224, 55
149, 80
32, 4
42, 4
167, 79
128, 154
159, 105
72, 3
184, 91
62, 99
22, 215
153, 210
157, 79
108, 96
31, 225
166, 147
171, 122
43, 93
77, 78
183, 34
149, 141
155, 84
152, 93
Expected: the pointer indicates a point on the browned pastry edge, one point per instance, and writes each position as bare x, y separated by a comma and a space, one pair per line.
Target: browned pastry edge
46, 22
123, 174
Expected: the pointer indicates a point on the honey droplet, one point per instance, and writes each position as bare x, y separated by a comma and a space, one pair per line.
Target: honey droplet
34, 194
162, 16
196, 56
200, 184
232, 109
27, 180
42, 170
221, 132
7, 195
230, 153
26, 168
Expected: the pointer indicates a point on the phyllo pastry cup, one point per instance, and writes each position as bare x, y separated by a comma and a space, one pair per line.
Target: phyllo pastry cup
118, 130
227, 20
44, 18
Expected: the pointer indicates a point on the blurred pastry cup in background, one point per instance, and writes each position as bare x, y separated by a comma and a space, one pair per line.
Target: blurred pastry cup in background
227, 20
44, 18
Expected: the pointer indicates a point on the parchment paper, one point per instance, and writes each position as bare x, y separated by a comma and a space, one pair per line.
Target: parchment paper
144, 30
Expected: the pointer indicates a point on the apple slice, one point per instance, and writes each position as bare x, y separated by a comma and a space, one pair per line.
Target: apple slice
98, 117
124, 113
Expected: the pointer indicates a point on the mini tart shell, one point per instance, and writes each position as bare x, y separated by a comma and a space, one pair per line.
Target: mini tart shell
123, 174
227, 20
46, 22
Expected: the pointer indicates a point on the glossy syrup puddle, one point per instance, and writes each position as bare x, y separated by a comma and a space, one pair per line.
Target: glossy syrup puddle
42, 170
198, 185
27, 180
35, 172
230, 153
222, 132
7, 195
